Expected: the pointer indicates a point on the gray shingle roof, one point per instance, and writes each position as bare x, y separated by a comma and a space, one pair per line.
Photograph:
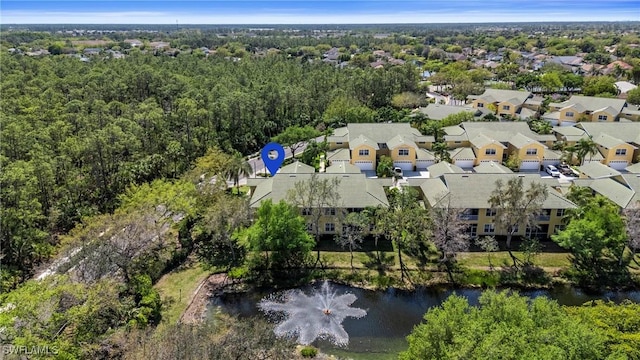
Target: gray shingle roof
356, 191
520, 141
482, 140
592, 103
607, 141
513, 96
570, 133
400, 140
628, 132
443, 167
634, 169
596, 170
297, 167
381, 133
472, 191
342, 168
492, 167
424, 154
611, 189
339, 154
502, 131
362, 140
464, 153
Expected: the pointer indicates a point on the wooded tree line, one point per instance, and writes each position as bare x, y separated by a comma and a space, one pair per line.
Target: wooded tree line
75, 135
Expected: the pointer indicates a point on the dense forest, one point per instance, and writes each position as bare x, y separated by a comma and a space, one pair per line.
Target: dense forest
75, 135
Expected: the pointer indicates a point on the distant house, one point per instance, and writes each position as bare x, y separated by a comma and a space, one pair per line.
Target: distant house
92, 51
623, 88
584, 108
367, 142
506, 102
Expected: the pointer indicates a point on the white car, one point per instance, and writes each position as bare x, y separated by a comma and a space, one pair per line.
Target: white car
552, 170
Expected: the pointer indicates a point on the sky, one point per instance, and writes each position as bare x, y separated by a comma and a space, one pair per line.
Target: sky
313, 11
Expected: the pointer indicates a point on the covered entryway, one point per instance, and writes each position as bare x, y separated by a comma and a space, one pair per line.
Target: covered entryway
364, 165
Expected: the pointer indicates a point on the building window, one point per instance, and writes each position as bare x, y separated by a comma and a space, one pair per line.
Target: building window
621, 152
532, 151
559, 212
363, 152
329, 227
490, 212
602, 117
506, 107
330, 211
490, 152
382, 145
480, 105
569, 114
457, 142
489, 228
473, 230
403, 152
339, 143
309, 227
306, 211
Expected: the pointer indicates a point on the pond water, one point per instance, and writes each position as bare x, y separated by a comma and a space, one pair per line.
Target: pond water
392, 314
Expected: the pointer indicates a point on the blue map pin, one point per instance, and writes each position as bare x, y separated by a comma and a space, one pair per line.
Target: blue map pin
272, 164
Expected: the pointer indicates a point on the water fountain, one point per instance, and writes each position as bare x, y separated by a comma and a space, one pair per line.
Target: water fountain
310, 317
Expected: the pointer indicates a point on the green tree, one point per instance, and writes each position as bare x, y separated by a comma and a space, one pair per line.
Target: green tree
404, 222
319, 198
516, 207
513, 162
279, 230
237, 168
599, 85
385, 167
633, 96
584, 147
503, 326
295, 137
596, 237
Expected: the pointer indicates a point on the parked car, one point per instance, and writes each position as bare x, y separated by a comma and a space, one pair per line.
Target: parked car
552, 170
565, 170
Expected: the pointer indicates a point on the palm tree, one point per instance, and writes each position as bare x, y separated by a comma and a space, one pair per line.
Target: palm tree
238, 167
441, 152
584, 147
568, 154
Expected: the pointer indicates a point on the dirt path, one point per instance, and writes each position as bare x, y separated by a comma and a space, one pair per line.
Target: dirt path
197, 307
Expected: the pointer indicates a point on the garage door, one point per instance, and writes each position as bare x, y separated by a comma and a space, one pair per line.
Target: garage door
530, 165
404, 165
618, 165
423, 164
465, 164
364, 165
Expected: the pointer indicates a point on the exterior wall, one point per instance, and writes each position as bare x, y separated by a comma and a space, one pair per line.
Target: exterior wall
476, 103
355, 155
512, 108
397, 157
595, 115
455, 145
334, 145
522, 153
340, 213
610, 154
481, 154
574, 118
425, 145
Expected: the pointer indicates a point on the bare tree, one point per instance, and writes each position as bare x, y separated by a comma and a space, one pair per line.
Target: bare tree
354, 226
318, 198
449, 234
516, 208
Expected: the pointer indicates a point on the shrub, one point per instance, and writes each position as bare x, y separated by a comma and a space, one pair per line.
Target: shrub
309, 352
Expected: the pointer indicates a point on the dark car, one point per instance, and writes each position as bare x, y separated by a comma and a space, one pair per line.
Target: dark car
565, 170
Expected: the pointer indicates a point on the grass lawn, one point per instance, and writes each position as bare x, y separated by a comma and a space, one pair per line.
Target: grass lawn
176, 288
545, 260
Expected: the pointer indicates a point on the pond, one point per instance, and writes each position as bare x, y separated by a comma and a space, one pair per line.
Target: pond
392, 314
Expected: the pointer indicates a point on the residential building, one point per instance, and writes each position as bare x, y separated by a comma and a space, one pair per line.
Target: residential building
356, 192
367, 142
584, 109
618, 143
506, 102
471, 192
623, 189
